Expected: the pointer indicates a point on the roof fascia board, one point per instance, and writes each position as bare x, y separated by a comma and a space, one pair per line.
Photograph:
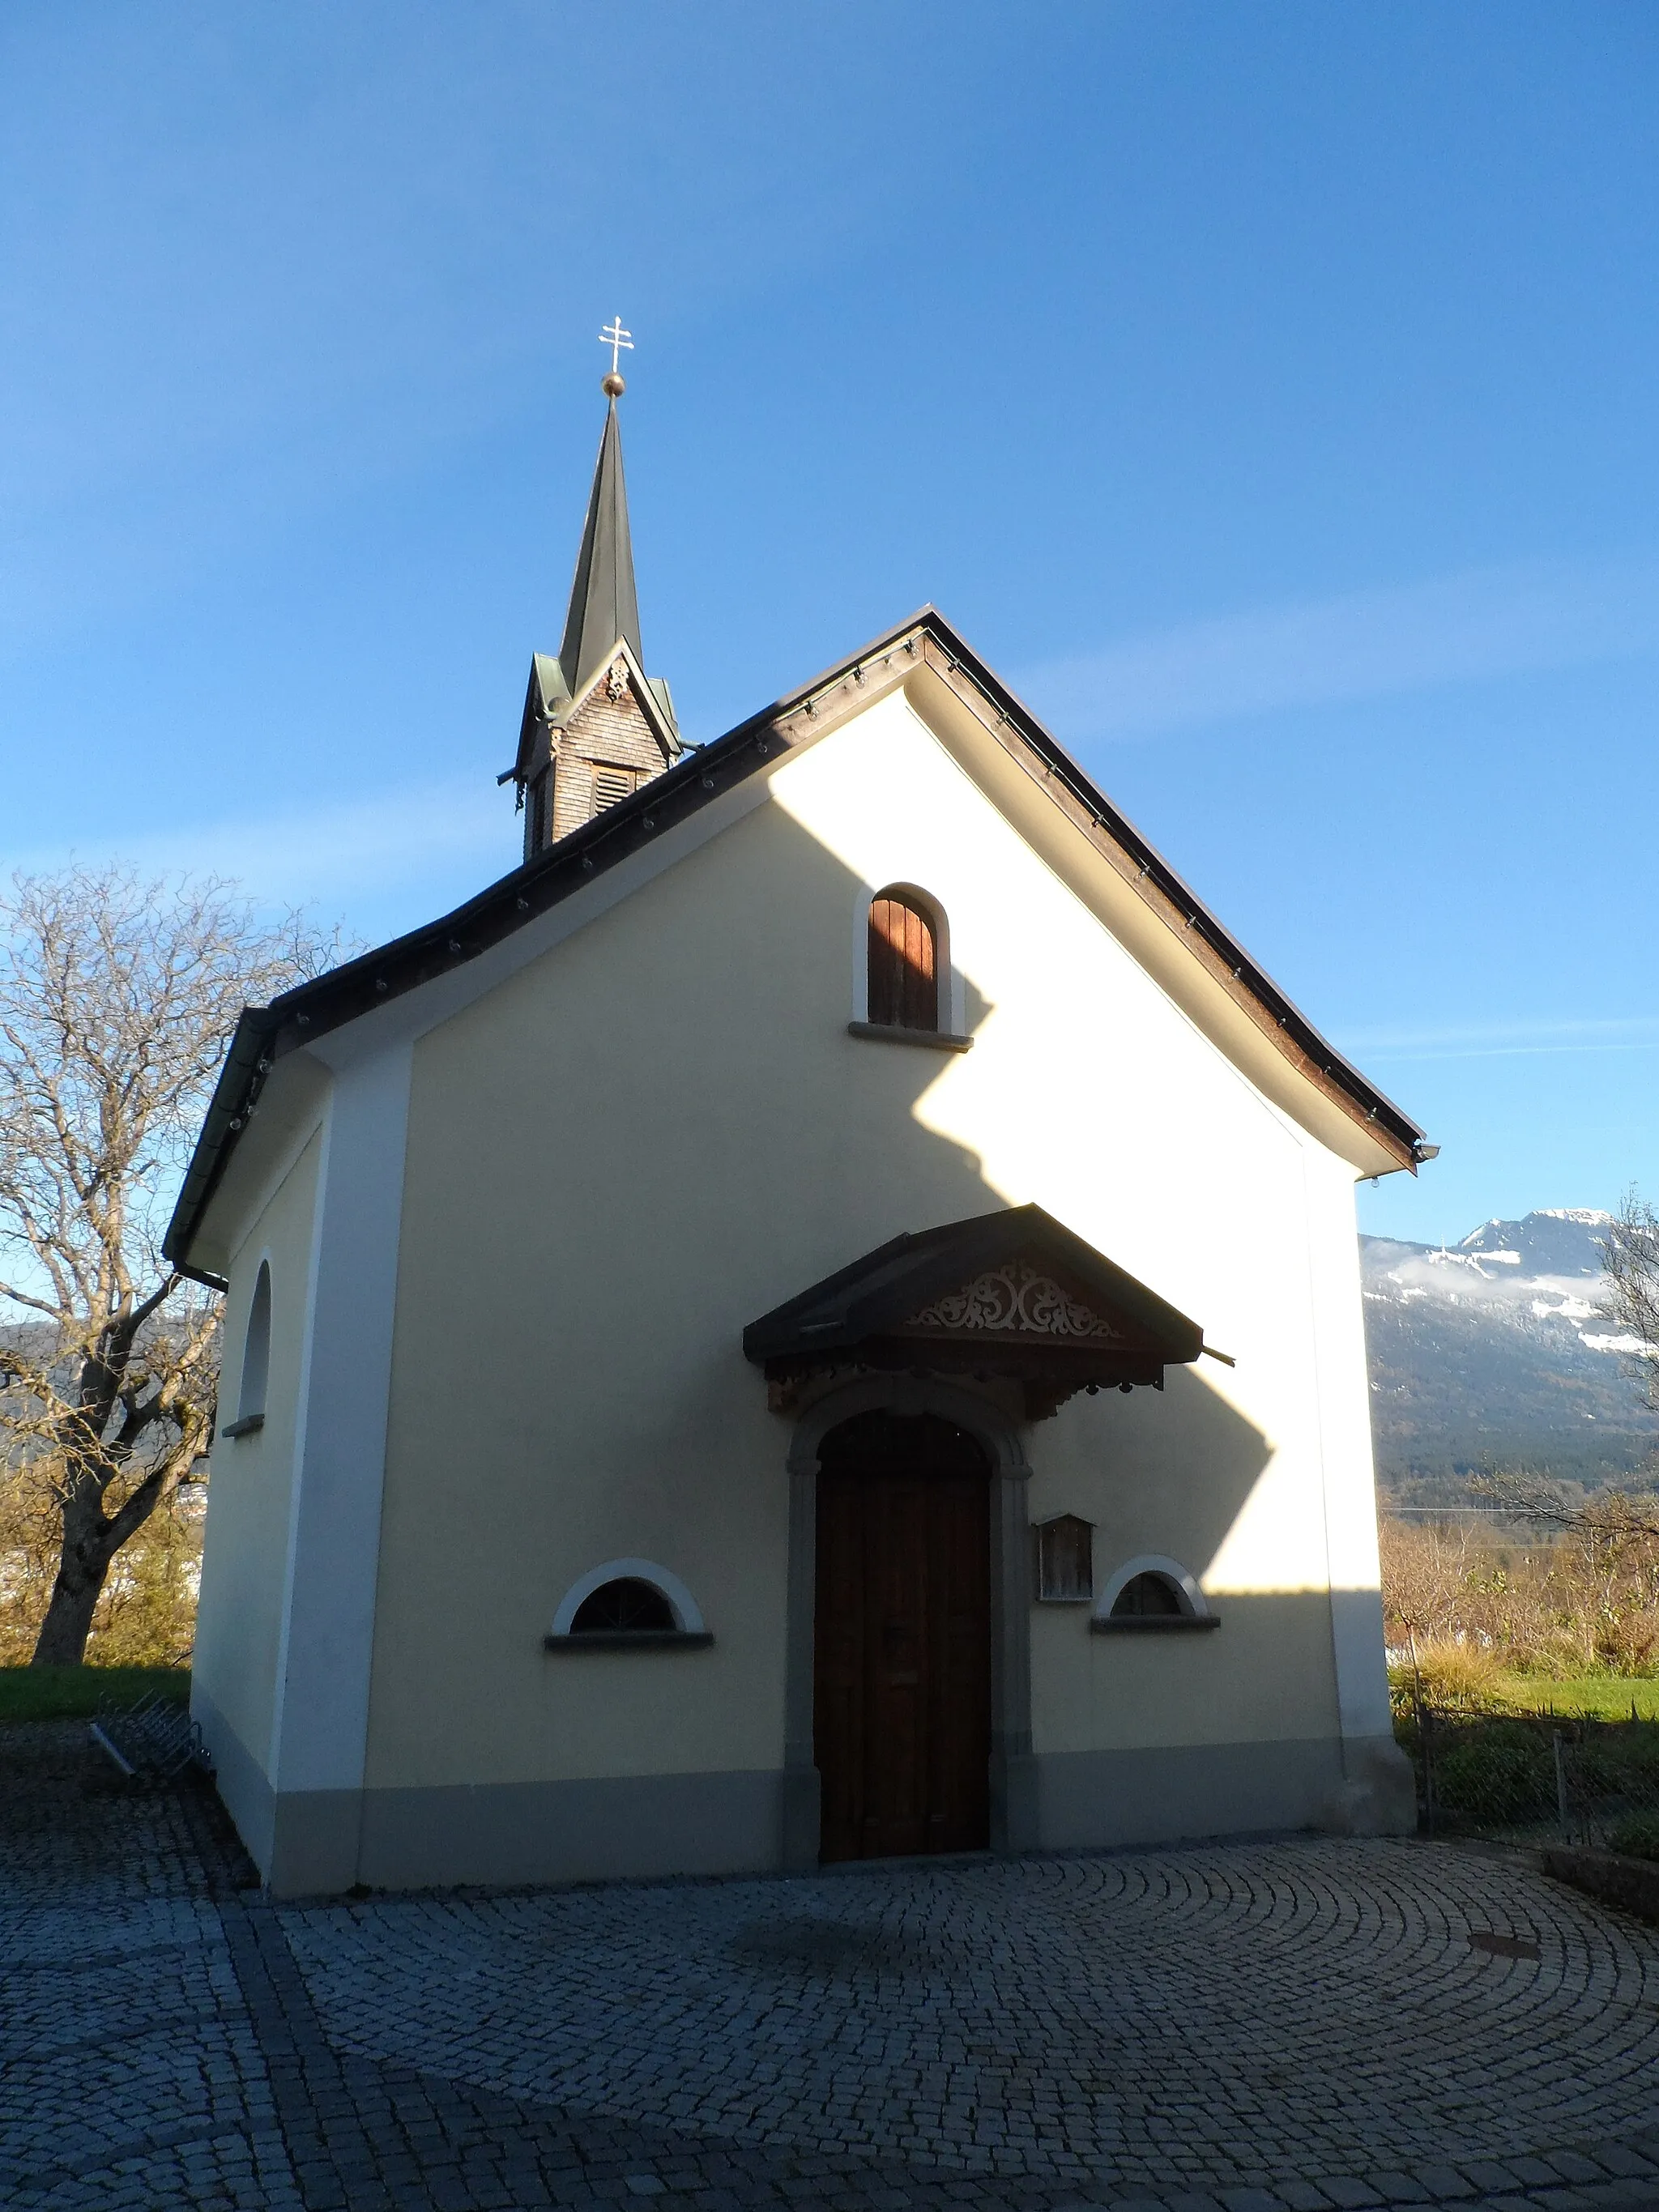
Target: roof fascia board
292, 1107
930, 642
1227, 993
409, 1015
696, 784
399, 990
406, 1016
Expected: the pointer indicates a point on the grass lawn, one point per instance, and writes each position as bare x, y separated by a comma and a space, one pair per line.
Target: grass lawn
1607, 1695
70, 1693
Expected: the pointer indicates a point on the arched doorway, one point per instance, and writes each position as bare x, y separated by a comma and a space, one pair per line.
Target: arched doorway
901, 1673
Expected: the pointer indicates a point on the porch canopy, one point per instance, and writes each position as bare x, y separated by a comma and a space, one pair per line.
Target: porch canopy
1011, 1295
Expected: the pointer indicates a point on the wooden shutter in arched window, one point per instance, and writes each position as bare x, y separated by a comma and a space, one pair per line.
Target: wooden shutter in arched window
903, 971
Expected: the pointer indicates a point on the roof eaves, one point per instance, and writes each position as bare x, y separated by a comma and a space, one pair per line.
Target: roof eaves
1321, 1055
696, 780
247, 1064
297, 1018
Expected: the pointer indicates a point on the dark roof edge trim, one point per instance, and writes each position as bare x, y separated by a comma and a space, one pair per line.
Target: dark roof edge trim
1011, 710
240, 1080
696, 780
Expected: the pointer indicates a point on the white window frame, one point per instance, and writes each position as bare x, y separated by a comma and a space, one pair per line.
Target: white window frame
688, 1616
1194, 1604
952, 999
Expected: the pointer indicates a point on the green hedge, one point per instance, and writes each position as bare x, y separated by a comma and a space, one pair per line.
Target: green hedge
1637, 1837
70, 1693
1502, 1774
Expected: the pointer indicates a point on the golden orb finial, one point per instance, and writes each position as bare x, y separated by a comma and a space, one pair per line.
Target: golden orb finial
619, 341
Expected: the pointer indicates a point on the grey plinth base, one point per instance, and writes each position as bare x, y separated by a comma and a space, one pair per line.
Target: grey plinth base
1377, 1795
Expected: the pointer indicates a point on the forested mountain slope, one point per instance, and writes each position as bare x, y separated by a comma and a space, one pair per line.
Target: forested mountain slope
1494, 1353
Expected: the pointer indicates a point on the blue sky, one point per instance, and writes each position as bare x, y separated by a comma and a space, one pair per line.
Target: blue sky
1268, 391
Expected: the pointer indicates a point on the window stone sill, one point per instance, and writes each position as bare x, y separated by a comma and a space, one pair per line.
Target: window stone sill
630, 1639
929, 1039
1182, 1624
249, 1425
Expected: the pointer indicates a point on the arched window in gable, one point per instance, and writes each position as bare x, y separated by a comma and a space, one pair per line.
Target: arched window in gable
903, 962
256, 1360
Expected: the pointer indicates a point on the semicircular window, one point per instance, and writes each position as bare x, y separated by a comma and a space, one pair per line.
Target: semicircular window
625, 1603
1150, 1596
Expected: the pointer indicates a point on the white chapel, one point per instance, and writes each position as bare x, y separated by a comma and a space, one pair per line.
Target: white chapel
817, 1318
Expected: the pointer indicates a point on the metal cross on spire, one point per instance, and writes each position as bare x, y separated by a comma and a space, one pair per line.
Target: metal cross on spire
619, 341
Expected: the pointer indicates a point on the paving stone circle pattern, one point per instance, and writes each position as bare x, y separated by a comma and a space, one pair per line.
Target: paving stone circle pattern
1282, 2026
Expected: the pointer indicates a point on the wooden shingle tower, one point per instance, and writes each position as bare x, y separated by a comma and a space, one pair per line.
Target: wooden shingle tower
595, 726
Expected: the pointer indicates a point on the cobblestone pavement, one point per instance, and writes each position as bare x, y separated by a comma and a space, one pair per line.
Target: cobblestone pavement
1283, 2026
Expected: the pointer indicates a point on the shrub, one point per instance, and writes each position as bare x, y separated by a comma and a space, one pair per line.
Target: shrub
1502, 1774
1617, 1762
1457, 1677
1637, 1836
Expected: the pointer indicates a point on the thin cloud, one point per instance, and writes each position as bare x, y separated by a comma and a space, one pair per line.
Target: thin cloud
1486, 623
331, 854
1506, 1040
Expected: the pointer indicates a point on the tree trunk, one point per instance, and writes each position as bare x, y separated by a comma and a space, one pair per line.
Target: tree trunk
82, 1566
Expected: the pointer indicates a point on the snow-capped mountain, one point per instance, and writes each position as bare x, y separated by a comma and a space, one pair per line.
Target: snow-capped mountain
1495, 1351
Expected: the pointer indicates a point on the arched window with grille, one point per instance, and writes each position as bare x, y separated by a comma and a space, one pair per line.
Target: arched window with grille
1147, 1597
904, 965
1152, 1594
626, 1602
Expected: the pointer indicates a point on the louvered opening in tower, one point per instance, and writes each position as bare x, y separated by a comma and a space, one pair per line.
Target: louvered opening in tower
611, 785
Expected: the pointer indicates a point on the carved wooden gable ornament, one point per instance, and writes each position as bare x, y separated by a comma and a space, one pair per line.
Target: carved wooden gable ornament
1017, 1301
1013, 1295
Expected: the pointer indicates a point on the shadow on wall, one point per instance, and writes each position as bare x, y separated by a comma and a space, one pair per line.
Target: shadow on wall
1196, 1458
881, 1164
616, 1162
733, 1028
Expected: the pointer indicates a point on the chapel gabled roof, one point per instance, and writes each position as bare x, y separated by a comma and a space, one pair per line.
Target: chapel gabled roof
698, 780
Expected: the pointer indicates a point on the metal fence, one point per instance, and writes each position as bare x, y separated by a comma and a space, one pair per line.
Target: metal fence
1528, 1777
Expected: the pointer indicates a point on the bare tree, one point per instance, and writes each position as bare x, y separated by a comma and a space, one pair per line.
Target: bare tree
1607, 1518
1631, 1259
1613, 1520
117, 995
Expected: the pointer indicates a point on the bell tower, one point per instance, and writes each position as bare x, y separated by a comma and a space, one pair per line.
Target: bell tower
595, 725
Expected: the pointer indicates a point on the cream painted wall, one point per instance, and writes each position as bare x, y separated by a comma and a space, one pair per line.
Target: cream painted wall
251, 1490
660, 1128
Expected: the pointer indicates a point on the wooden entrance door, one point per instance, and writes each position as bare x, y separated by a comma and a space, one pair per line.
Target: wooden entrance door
902, 1706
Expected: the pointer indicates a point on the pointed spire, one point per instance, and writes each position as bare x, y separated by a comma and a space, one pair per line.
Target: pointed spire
595, 726
603, 603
